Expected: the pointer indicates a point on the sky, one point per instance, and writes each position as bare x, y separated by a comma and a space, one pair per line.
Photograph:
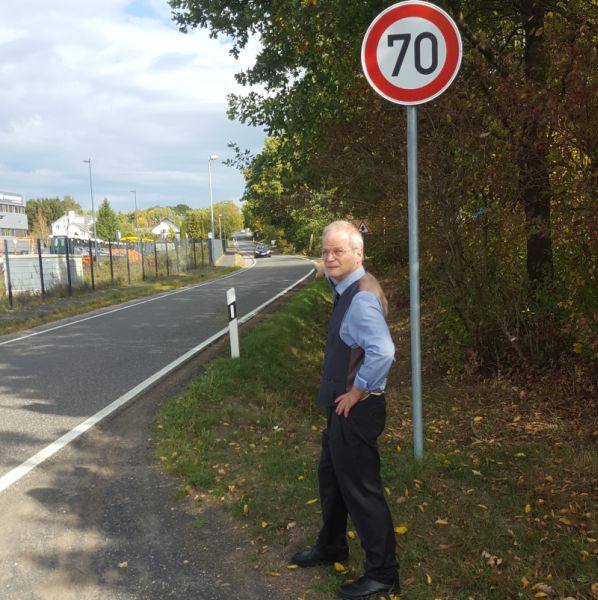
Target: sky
114, 81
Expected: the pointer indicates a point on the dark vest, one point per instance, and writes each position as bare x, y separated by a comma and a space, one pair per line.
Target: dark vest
341, 362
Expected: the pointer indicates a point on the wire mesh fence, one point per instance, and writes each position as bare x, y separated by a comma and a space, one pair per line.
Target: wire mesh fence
73, 265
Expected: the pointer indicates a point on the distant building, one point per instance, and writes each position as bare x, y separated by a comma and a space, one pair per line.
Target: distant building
165, 228
13, 220
74, 226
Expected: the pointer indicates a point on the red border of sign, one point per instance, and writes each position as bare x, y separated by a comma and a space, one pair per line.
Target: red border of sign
380, 24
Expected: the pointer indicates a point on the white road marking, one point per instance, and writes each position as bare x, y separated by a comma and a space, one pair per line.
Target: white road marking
37, 459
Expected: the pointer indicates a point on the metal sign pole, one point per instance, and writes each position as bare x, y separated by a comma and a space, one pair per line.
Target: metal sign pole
412, 198
410, 54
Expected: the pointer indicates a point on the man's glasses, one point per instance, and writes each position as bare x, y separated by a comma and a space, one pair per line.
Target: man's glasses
336, 252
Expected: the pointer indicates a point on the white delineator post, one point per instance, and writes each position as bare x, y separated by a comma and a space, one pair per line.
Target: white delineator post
233, 326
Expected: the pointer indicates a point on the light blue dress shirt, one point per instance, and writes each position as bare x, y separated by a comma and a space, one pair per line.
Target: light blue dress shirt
364, 325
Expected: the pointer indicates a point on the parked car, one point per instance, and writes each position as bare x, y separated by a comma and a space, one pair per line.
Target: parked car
261, 251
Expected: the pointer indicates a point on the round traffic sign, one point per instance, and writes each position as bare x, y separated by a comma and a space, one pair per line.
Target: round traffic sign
411, 52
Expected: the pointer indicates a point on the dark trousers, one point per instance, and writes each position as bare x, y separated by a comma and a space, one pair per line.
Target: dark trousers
350, 484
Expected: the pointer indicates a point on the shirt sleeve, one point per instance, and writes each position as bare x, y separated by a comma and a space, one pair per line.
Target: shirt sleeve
364, 326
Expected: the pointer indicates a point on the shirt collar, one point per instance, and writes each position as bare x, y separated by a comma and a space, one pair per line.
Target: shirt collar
341, 286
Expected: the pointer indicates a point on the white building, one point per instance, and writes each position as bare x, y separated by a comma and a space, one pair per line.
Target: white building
13, 220
165, 228
74, 226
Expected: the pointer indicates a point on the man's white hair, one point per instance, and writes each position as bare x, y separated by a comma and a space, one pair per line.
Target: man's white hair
355, 237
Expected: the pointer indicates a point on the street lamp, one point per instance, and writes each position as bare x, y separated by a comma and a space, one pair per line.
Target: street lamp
93, 212
211, 240
136, 216
210, 159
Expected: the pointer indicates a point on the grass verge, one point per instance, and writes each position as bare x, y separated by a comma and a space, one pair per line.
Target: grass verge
503, 505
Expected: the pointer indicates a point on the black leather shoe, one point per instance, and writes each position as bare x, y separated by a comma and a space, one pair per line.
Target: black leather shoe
313, 557
365, 587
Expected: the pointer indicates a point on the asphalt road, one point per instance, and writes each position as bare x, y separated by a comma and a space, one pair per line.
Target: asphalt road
96, 520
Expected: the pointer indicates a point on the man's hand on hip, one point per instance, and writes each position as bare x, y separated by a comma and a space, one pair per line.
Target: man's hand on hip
345, 402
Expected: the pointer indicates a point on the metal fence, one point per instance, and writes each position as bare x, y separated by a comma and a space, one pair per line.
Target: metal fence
108, 265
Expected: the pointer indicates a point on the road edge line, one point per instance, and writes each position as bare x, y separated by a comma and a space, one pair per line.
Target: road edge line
17, 473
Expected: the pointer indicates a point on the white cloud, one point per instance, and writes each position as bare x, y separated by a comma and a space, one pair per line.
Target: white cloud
116, 81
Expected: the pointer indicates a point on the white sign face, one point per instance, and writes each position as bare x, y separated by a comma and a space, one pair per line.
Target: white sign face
411, 52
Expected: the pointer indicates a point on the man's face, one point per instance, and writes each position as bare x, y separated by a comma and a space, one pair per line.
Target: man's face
339, 258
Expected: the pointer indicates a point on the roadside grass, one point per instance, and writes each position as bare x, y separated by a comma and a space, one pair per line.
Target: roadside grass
502, 506
32, 310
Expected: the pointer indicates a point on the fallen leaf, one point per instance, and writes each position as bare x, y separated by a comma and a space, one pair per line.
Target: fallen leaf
292, 566
441, 522
339, 567
594, 591
300, 477
429, 579
264, 524
483, 506
401, 530
351, 534
312, 501
477, 419
476, 473
524, 582
520, 455
123, 565
245, 508
274, 574
564, 521
528, 508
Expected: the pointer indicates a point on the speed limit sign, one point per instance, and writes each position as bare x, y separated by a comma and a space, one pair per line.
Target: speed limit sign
411, 52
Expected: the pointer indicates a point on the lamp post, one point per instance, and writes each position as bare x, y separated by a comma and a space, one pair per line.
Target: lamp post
134, 192
220, 225
93, 212
210, 159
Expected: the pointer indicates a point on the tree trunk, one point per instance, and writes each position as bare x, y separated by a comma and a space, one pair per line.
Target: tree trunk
534, 164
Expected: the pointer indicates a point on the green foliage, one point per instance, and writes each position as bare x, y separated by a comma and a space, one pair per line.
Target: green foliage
507, 161
107, 222
42, 212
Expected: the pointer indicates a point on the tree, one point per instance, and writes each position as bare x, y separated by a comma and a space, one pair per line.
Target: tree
196, 221
107, 222
509, 155
181, 209
42, 212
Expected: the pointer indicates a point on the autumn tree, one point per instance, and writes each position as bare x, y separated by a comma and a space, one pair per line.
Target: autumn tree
507, 156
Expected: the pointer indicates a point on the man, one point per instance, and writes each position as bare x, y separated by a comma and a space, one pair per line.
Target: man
359, 353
